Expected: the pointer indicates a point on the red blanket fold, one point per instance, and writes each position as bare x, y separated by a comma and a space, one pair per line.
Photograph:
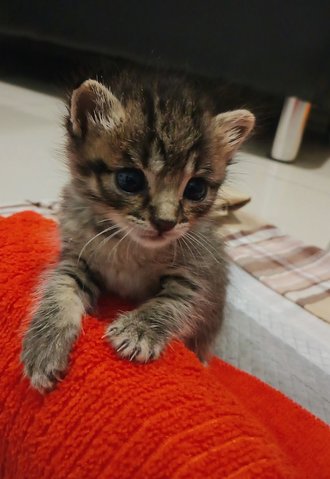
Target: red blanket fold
110, 418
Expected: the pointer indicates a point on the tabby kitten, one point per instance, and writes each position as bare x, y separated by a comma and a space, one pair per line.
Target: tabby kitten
146, 157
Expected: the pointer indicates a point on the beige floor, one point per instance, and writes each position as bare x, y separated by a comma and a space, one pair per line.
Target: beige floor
295, 197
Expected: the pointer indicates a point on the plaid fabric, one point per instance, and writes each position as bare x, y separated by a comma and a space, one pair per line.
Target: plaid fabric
300, 273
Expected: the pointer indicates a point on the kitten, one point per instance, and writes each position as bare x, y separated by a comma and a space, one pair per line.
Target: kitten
146, 157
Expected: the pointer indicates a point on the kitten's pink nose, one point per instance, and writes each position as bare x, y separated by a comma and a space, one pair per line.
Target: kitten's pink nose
163, 225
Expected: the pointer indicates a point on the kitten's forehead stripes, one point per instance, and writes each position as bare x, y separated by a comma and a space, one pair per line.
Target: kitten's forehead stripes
158, 125
147, 147
161, 148
148, 109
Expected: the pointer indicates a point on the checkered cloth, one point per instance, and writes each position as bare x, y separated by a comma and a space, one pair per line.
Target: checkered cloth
300, 273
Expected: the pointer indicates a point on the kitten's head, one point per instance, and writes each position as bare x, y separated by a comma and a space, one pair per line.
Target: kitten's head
150, 156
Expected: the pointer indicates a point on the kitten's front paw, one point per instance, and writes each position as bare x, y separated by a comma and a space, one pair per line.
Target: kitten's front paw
43, 363
134, 338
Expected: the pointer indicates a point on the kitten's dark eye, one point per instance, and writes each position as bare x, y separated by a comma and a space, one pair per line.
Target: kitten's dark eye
196, 189
130, 180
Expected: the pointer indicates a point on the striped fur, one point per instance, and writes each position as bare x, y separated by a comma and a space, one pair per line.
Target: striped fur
156, 246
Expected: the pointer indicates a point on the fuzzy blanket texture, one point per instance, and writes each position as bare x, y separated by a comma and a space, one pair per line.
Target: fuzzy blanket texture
109, 418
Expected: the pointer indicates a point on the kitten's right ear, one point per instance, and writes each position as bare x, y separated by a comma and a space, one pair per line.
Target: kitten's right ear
92, 104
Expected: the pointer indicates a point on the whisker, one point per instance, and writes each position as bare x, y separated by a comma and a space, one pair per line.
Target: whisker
203, 245
114, 248
92, 239
105, 240
188, 246
104, 220
207, 241
199, 247
203, 237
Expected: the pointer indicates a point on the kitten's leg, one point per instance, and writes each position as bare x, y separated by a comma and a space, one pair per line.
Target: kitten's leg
69, 290
176, 311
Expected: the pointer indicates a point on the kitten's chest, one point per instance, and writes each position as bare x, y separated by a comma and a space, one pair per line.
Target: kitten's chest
131, 276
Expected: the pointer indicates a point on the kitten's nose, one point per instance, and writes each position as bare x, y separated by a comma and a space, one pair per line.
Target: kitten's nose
164, 225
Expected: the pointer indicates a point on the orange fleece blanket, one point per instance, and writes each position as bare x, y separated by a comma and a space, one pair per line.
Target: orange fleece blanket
112, 419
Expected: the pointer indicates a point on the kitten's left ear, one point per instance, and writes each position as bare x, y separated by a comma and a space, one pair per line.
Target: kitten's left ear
232, 128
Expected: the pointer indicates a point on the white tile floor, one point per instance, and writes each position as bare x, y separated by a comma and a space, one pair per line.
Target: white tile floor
295, 197
31, 166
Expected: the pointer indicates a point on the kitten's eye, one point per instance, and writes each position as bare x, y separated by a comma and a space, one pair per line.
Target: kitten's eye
196, 189
130, 180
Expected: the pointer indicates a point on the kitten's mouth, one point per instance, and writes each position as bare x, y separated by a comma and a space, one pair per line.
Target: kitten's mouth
157, 236
149, 237
156, 239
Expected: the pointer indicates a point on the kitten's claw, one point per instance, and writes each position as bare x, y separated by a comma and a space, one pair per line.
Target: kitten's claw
134, 353
134, 339
123, 345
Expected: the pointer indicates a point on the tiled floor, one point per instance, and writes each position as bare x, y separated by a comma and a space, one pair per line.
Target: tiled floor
295, 197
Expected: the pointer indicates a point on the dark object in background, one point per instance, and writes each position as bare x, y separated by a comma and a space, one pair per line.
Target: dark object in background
281, 47
278, 47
